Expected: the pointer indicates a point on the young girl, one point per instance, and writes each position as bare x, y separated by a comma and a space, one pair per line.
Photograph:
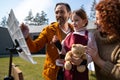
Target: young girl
80, 36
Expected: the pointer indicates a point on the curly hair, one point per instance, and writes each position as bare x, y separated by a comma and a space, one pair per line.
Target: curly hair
110, 14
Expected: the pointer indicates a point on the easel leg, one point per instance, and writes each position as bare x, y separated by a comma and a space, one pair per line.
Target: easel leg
10, 65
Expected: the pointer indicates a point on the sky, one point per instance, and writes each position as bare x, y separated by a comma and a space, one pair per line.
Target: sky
22, 7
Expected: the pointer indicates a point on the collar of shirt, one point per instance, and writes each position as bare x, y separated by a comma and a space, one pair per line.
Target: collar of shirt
80, 31
66, 32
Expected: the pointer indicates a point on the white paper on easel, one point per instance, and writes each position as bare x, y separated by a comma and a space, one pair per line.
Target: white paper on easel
16, 33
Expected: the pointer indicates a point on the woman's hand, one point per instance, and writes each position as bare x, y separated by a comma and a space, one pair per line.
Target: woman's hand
95, 56
92, 52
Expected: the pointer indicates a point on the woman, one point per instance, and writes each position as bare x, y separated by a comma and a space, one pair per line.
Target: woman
107, 59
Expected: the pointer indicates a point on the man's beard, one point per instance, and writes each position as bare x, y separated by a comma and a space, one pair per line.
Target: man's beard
61, 21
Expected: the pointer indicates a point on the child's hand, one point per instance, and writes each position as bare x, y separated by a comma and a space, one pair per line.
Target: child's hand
54, 39
76, 61
57, 42
60, 62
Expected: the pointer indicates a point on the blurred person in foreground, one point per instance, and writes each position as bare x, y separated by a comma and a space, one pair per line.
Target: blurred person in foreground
107, 58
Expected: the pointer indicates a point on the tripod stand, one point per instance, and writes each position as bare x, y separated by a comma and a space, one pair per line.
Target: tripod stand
12, 51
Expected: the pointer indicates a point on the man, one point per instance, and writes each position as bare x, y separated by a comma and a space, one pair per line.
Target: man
60, 28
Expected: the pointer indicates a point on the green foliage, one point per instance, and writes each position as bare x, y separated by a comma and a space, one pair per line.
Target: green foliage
3, 23
92, 13
39, 19
82, 7
29, 17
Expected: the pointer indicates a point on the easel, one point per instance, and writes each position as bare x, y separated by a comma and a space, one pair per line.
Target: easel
12, 51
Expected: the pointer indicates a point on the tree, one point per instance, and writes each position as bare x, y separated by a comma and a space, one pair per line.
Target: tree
29, 18
92, 13
43, 18
39, 19
82, 7
3, 23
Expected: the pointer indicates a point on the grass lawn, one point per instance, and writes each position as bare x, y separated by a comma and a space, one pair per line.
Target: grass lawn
30, 71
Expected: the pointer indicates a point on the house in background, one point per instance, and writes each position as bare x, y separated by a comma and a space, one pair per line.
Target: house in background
91, 26
6, 41
34, 32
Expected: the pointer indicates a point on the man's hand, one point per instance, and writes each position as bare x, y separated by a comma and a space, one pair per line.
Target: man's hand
25, 30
